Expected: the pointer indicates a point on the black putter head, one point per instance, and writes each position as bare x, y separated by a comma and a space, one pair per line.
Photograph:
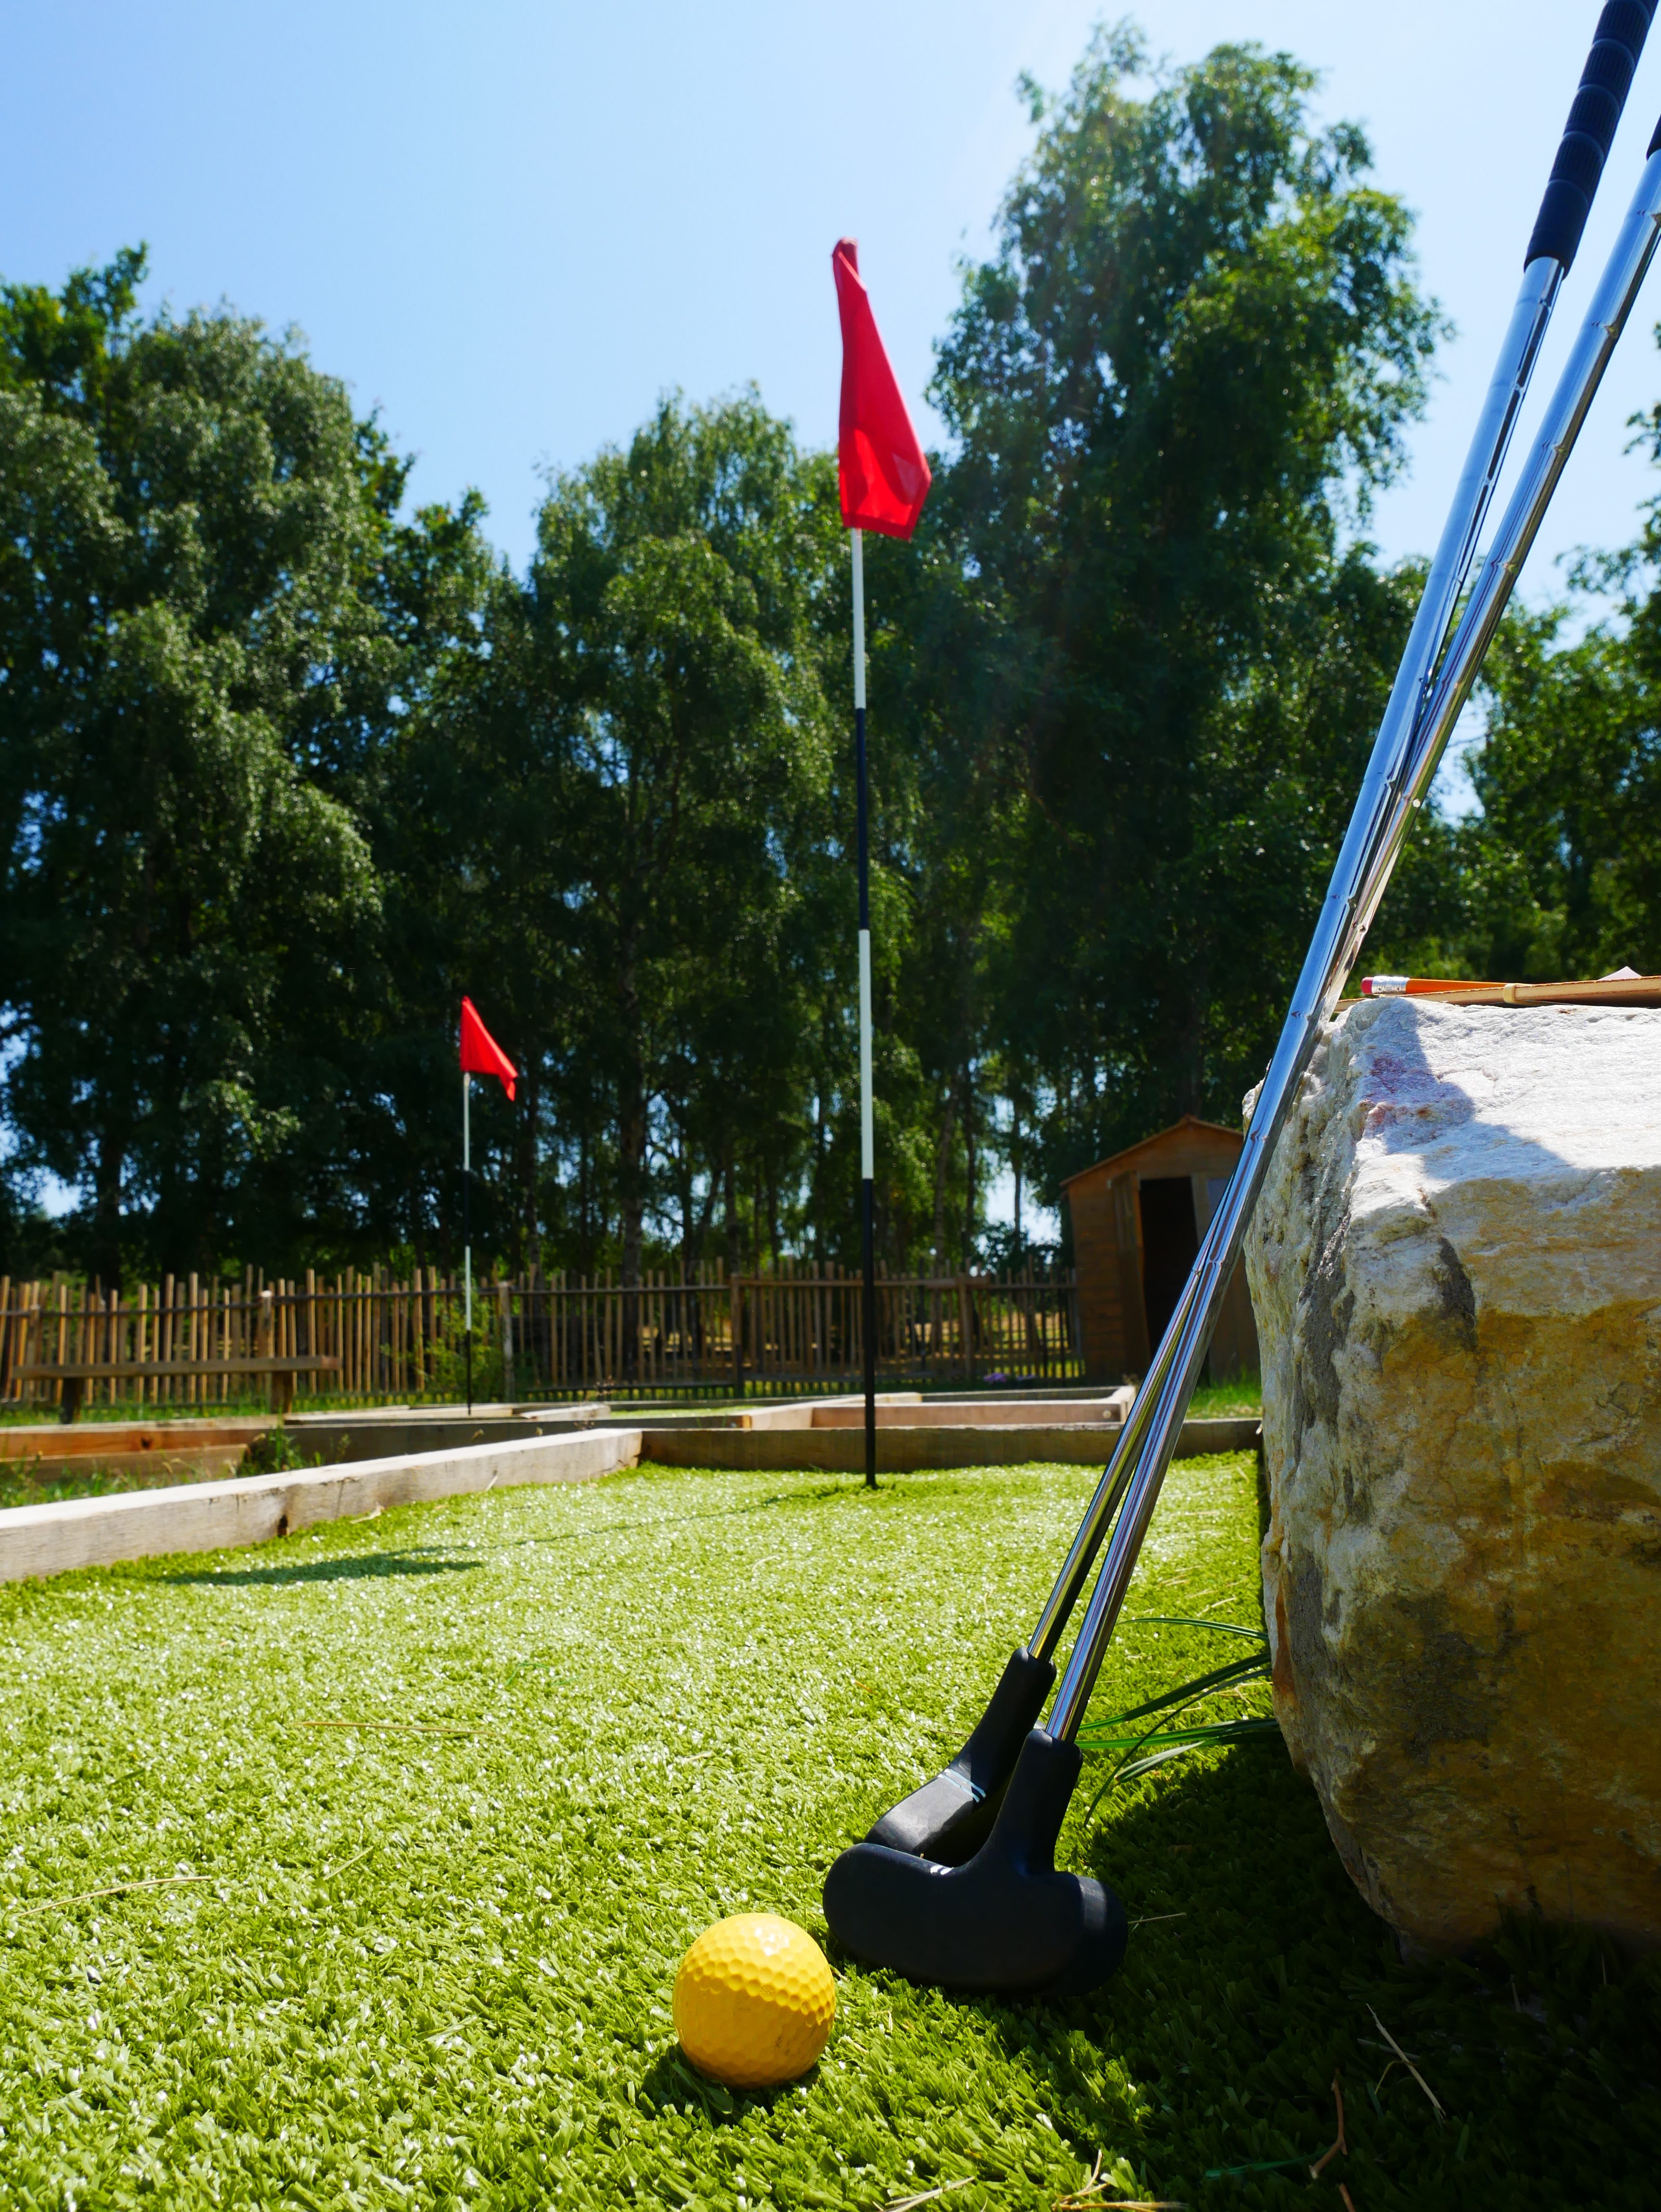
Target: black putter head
1005, 1922
950, 1817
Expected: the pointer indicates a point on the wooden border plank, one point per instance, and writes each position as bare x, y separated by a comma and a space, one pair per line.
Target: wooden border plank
38, 1541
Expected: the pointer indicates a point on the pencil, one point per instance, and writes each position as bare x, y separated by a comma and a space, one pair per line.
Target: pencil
1414, 987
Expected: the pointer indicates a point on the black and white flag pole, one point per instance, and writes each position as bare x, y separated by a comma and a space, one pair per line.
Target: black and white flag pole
467, 1231
868, 1133
882, 479
480, 1055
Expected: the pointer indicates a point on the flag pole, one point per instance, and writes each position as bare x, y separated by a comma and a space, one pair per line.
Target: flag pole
868, 1145
467, 1228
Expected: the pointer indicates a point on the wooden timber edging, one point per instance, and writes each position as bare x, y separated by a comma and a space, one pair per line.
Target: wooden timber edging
157, 1452
913, 1450
948, 1414
340, 1438
40, 1540
25, 1443
211, 1516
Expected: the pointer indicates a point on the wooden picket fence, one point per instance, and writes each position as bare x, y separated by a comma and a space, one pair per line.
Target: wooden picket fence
551, 1337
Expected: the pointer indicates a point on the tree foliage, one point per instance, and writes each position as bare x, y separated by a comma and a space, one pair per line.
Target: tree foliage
186, 513
285, 767
1194, 348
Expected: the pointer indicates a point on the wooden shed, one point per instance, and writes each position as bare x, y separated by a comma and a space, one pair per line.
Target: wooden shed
1137, 1222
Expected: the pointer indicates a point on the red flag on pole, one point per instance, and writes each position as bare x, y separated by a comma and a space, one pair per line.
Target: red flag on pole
880, 467
480, 1053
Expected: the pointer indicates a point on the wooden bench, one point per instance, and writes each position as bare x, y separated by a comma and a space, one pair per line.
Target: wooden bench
74, 1375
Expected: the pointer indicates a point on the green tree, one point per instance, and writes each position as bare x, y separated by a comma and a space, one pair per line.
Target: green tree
940, 759
285, 769
186, 510
1189, 362
207, 614
1557, 872
657, 770
412, 751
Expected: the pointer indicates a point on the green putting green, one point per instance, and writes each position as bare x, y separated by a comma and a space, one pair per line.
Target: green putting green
353, 1871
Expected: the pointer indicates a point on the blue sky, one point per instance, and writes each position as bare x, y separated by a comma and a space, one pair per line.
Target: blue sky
511, 226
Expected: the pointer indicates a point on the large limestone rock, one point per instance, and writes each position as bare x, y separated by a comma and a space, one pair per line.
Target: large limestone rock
1456, 1268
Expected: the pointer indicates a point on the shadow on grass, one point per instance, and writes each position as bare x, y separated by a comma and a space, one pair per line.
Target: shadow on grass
1257, 1977
680, 1520
672, 2079
894, 1488
412, 1559
360, 1567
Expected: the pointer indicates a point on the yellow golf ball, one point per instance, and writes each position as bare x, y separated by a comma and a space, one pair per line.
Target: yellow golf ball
754, 2001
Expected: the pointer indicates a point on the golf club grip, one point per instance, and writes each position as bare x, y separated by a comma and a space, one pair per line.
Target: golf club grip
1589, 131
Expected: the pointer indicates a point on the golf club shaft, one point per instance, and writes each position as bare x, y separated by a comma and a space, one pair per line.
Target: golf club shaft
1593, 117
1606, 319
467, 1230
1392, 753
1381, 819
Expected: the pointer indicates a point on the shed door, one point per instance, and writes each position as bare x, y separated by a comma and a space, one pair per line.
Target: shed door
1170, 1242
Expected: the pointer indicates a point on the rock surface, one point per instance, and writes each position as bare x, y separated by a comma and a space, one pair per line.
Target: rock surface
1456, 1268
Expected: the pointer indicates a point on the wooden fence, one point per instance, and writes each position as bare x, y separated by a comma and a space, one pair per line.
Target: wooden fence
548, 1337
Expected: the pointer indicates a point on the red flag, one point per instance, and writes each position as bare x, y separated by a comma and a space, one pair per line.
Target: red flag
880, 467
480, 1053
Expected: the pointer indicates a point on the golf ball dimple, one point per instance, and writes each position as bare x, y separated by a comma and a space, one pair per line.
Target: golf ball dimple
754, 2001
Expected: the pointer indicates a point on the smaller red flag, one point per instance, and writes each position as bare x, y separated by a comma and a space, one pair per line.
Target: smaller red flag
480, 1053
881, 470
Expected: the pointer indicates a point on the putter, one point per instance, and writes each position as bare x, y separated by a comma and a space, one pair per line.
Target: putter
955, 1886
951, 1815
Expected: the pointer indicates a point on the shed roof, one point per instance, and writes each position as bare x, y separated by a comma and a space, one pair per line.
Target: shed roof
1118, 1163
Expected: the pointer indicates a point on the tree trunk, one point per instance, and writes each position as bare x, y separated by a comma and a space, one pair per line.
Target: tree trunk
631, 1180
969, 1222
688, 1236
631, 1175
942, 1162
730, 1192
585, 1239
1190, 1081
522, 1234
1015, 1162
631, 1154
819, 1181
707, 1214
106, 1210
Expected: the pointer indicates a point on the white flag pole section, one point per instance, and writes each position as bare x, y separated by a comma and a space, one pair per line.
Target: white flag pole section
467, 1229
867, 1139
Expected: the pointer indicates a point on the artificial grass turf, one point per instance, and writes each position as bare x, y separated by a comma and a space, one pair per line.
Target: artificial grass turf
1211, 1400
431, 1959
